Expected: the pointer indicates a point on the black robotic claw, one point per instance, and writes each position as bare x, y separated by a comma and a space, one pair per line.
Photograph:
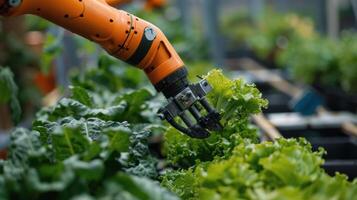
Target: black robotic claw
186, 104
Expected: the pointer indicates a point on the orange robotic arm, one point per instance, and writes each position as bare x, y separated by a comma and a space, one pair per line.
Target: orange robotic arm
149, 4
117, 2
134, 41
121, 34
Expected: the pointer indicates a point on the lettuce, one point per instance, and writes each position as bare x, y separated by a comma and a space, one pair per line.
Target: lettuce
285, 169
232, 164
94, 144
236, 101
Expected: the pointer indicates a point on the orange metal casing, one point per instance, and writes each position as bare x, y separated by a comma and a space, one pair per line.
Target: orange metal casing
118, 32
117, 2
151, 4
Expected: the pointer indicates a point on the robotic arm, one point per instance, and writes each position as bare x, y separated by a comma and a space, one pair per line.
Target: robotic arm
138, 43
149, 4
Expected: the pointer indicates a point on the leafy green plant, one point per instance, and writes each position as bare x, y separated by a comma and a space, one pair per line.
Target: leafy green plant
347, 62
236, 101
94, 144
9, 93
78, 149
51, 50
13, 49
276, 31
233, 165
285, 169
71, 163
291, 41
110, 75
268, 35
237, 27
312, 61
36, 23
322, 61
190, 47
21, 60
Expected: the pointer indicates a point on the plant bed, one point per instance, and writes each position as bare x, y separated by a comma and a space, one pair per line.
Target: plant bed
328, 65
313, 133
338, 100
278, 101
347, 167
95, 144
337, 148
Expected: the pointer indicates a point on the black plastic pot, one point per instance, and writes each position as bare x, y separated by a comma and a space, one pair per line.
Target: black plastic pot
315, 135
336, 99
278, 101
348, 167
338, 145
338, 148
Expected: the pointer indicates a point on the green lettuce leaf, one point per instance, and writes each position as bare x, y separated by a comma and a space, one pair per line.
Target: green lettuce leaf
269, 170
236, 101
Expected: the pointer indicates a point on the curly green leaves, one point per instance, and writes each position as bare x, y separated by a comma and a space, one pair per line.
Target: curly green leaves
236, 101
270, 170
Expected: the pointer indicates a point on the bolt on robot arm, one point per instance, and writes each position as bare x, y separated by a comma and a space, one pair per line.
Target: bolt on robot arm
138, 43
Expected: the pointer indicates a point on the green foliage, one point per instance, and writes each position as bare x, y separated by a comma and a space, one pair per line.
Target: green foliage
36, 23
236, 101
197, 68
269, 170
237, 26
323, 61
14, 52
276, 31
78, 150
130, 106
232, 164
52, 49
312, 61
20, 59
9, 93
72, 165
139, 160
292, 42
191, 46
94, 145
269, 34
110, 76
81, 95
347, 62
